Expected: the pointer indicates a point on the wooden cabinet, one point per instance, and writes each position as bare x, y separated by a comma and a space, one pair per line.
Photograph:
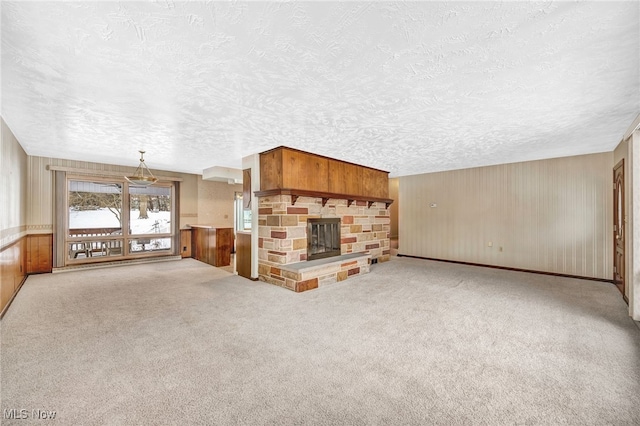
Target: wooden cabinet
287, 168
374, 183
345, 178
212, 245
271, 169
243, 254
306, 171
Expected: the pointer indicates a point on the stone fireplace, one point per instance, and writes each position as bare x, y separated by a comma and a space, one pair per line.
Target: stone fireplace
283, 243
323, 238
320, 220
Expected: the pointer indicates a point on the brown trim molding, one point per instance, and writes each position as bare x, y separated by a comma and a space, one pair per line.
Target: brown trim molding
506, 268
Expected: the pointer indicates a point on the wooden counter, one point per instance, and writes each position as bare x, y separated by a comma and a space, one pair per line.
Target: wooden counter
211, 245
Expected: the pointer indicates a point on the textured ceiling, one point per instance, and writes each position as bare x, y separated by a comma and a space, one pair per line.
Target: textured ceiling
404, 87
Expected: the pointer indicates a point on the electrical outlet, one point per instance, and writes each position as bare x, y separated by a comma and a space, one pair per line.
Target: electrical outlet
490, 244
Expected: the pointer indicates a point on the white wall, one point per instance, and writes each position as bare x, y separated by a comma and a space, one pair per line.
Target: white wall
633, 238
550, 215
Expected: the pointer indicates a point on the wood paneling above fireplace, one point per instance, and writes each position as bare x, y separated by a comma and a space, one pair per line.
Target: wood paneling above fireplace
291, 169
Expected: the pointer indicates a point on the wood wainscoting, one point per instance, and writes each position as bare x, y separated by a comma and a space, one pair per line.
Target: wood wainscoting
31, 254
185, 243
13, 271
39, 253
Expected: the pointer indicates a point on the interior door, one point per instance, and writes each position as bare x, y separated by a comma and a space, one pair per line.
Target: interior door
619, 228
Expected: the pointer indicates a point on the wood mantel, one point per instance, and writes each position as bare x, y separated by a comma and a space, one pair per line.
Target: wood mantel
295, 193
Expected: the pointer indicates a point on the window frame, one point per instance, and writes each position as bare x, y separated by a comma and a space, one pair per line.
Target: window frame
126, 237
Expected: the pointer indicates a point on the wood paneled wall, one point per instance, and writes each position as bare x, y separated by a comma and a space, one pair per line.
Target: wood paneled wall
243, 254
185, 243
31, 254
292, 169
39, 253
550, 215
12, 270
13, 214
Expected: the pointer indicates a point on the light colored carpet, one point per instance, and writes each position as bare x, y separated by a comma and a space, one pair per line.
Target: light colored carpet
413, 342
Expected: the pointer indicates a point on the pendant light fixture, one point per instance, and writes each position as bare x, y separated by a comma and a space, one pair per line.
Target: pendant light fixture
142, 175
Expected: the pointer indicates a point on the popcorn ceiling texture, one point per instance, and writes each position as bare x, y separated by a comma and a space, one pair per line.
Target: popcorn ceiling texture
400, 86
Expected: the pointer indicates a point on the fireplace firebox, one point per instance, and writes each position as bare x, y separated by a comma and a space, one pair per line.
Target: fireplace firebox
323, 238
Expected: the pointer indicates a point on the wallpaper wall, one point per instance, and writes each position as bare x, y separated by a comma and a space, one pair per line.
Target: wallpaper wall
197, 197
550, 215
13, 199
215, 202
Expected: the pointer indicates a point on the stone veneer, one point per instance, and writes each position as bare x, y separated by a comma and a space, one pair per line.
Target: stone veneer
282, 231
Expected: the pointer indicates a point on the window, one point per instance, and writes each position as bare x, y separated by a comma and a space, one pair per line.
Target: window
110, 219
242, 217
149, 216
